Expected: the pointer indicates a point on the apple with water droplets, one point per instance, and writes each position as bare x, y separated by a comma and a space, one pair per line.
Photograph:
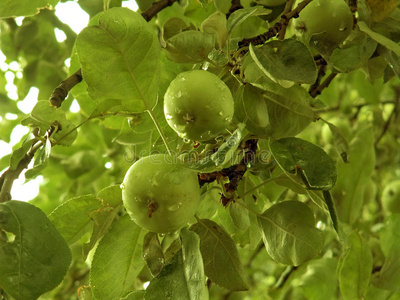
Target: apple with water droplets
198, 105
324, 24
159, 194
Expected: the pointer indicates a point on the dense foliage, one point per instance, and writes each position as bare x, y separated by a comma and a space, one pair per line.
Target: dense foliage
294, 195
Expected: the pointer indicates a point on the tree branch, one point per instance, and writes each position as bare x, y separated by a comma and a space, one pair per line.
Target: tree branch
278, 28
318, 89
234, 173
235, 5
61, 92
8, 177
156, 8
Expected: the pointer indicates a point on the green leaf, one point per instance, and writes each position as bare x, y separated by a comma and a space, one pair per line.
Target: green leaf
319, 281
388, 43
251, 108
193, 265
216, 24
391, 58
353, 176
72, 219
104, 106
41, 159
136, 295
355, 267
34, 257
19, 153
190, 46
289, 109
171, 283
103, 219
341, 144
220, 256
120, 59
222, 158
12, 8
240, 15
287, 60
111, 196
43, 115
117, 260
152, 253
317, 168
240, 216
389, 276
289, 233
173, 26
354, 56
85, 293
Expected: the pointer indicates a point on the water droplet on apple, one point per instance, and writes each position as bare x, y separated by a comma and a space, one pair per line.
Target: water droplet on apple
122, 186
168, 117
174, 207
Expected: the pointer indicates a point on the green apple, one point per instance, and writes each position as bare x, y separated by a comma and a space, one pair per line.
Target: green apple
198, 105
159, 194
324, 24
391, 197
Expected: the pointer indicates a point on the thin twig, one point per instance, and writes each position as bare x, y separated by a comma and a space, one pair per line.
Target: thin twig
321, 65
156, 8
285, 19
235, 5
234, 173
238, 171
278, 28
317, 91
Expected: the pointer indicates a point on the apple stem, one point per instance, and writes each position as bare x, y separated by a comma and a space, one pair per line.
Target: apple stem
160, 131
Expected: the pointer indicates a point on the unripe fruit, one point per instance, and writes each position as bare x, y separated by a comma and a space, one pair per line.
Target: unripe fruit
391, 197
159, 194
198, 105
324, 24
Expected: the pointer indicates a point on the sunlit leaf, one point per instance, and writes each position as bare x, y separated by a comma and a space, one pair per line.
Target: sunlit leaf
120, 59
117, 260
72, 218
